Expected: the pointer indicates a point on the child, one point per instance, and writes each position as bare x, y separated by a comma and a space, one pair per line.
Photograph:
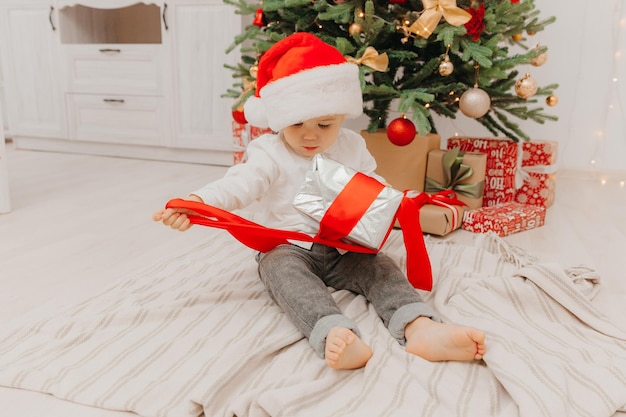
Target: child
305, 89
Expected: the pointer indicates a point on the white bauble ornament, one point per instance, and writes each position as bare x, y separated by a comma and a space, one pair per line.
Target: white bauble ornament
475, 103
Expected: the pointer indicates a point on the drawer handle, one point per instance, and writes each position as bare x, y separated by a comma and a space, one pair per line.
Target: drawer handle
103, 50
113, 100
50, 18
164, 18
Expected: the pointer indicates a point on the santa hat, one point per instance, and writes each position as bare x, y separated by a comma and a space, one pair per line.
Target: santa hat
301, 78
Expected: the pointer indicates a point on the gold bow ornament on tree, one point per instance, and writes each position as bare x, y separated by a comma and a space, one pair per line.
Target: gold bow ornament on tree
434, 10
372, 59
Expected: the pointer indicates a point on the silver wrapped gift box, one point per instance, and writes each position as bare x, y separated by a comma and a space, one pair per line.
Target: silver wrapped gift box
326, 180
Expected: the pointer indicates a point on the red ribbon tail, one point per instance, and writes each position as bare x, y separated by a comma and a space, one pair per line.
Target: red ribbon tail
419, 271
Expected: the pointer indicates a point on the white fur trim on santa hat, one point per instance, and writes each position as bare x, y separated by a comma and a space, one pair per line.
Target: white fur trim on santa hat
254, 111
320, 91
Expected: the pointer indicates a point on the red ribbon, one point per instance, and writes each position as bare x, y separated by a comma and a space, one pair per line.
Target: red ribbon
334, 226
349, 206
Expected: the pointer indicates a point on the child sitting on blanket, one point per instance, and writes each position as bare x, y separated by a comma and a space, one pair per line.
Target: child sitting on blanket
305, 89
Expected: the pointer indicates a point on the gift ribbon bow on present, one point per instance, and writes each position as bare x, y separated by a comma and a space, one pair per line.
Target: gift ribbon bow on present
522, 173
448, 199
454, 173
372, 59
434, 10
332, 231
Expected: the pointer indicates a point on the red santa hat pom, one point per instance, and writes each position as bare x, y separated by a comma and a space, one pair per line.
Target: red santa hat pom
300, 78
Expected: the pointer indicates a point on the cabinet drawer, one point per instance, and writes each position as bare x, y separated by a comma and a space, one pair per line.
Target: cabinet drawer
115, 69
118, 119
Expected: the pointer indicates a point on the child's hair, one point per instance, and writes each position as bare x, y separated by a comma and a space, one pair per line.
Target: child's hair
301, 78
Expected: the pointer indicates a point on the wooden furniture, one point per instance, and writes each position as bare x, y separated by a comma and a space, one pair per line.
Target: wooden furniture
120, 77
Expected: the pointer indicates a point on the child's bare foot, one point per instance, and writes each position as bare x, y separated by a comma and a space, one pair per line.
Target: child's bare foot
436, 341
344, 349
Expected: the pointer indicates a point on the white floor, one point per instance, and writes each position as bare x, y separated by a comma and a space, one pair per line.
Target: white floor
79, 223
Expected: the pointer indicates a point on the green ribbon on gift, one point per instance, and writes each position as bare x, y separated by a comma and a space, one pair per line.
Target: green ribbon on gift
454, 172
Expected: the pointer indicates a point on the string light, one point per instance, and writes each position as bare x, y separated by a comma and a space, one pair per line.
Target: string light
613, 120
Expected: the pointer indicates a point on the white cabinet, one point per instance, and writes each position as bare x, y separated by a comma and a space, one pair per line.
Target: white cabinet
134, 78
200, 33
32, 69
5, 197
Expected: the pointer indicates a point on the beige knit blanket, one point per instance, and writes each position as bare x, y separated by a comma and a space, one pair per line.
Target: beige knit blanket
198, 334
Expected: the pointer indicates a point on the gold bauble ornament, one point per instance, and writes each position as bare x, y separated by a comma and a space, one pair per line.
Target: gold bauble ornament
475, 103
552, 100
539, 60
355, 29
254, 70
526, 87
517, 37
446, 67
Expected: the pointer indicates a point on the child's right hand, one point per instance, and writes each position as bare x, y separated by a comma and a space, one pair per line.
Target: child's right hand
175, 218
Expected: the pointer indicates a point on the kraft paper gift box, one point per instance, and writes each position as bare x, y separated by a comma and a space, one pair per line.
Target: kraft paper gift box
403, 167
461, 172
504, 218
325, 181
440, 220
536, 175
501, 165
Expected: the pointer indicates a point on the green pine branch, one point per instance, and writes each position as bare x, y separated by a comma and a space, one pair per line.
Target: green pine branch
412, 83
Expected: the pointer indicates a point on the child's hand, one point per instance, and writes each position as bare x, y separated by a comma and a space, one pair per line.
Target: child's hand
175, 218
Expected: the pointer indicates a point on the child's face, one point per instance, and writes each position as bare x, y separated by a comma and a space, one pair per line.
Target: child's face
313, 136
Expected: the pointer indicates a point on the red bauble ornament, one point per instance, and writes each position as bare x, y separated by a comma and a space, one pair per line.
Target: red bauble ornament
401, 131
239, 117
397, 1
259, 18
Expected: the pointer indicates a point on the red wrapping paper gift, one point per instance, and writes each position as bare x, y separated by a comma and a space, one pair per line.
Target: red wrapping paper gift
536, 174
501, 165
504, 219
243, 133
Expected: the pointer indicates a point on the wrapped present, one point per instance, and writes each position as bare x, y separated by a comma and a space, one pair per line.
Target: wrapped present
240, 141
536, 173
403, 167
440, 221
440, 213
346, 205
364, 214
462, 172
501, 165
243, 133
504, 218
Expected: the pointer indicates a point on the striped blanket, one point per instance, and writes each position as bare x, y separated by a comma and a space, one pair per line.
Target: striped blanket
198, 335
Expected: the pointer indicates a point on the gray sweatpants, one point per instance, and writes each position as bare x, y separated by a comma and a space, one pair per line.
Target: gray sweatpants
297, 280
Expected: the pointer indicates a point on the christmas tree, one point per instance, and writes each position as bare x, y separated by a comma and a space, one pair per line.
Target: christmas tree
416, 57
